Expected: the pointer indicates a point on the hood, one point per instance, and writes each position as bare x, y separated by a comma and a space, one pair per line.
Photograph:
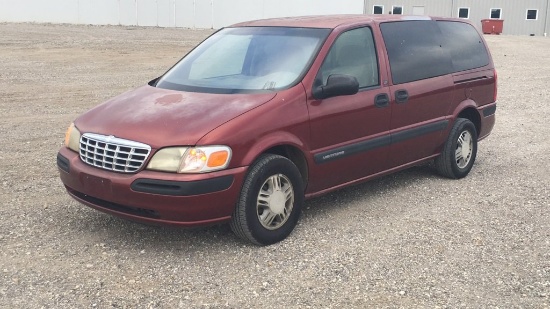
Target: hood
160, 117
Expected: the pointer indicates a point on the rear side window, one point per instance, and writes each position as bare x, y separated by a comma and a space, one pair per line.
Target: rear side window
415, 50
465, 44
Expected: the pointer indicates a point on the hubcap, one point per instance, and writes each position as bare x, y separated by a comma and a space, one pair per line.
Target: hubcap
464, 149
275, 201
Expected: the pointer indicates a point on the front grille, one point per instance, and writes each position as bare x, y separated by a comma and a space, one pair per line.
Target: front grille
113, 153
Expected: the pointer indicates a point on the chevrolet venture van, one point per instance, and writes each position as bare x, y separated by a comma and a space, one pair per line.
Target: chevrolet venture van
264, 114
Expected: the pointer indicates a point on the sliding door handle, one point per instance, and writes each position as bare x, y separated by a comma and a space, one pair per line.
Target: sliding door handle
401, 96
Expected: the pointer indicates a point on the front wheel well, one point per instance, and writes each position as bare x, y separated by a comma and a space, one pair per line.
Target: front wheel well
472, 115
296, 156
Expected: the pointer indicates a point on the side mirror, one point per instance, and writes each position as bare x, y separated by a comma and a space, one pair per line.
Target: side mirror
337, 85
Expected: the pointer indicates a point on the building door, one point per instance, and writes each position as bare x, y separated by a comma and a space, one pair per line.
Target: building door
418, 10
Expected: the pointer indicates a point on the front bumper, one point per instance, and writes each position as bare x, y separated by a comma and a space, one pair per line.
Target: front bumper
153, 197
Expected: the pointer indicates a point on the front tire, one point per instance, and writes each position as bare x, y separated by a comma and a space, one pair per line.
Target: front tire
270, 202
460, 150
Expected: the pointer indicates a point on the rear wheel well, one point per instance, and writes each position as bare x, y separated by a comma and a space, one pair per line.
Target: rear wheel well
296, 156
472, 115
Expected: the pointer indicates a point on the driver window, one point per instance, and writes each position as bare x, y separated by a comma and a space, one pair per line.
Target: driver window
353, 53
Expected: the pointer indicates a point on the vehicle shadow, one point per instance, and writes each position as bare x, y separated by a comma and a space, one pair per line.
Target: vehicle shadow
121, 233
372, 189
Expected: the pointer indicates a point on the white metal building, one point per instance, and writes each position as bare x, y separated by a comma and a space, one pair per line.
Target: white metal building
524, 17
167, 13
521, 17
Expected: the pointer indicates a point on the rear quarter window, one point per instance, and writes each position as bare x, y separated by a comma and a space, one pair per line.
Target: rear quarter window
416, 50
466, 46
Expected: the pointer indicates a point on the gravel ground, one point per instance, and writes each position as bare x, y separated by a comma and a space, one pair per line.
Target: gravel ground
411, 239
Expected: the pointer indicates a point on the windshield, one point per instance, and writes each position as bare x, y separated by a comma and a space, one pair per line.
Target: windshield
247, 59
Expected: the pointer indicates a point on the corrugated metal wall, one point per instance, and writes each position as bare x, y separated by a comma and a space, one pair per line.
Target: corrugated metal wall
167, 13
219, 13
431, 7
514, 12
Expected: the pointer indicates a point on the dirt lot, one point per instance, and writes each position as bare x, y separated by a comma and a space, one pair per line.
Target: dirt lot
408, 240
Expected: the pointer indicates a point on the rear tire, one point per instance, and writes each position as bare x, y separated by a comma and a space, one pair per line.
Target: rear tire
460, 150
270, 202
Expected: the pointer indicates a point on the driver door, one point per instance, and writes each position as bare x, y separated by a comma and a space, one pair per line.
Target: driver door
350, 134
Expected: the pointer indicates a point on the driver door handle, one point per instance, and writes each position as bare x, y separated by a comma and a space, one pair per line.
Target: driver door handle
382, 100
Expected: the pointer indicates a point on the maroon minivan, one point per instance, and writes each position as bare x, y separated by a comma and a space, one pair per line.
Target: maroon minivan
264, 114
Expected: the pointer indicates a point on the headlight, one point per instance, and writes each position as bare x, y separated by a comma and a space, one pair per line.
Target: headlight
167, 159
72, 138
191, 160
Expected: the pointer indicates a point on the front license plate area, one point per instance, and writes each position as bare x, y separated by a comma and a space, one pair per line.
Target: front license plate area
96, 186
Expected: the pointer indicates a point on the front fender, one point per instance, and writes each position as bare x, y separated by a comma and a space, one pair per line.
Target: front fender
282, 121
272, 140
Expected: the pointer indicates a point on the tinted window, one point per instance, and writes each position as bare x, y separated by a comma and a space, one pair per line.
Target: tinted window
397, 10
532, 14
495, 13
464, 13
378, 9
353, 53
415, 50
465, 44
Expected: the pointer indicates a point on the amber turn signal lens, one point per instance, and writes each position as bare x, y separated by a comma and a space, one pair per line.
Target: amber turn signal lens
218, 158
